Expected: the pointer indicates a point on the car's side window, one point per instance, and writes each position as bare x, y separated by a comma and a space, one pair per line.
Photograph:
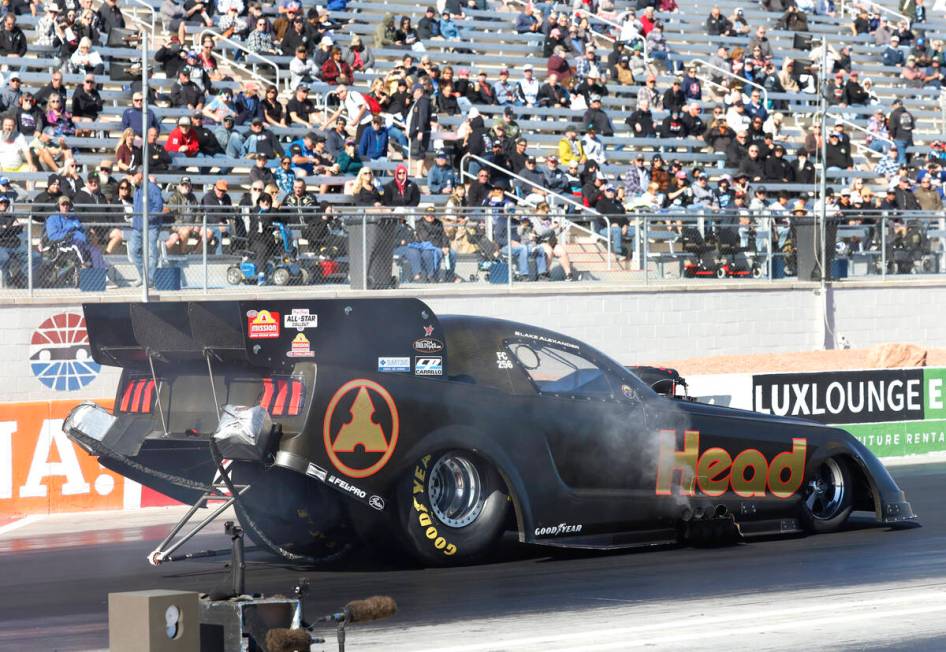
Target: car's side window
554, 370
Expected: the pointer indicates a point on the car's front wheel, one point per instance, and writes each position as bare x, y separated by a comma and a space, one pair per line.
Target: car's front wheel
452, 508
829, 496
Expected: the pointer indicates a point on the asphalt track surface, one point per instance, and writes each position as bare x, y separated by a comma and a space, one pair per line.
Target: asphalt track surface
53, 590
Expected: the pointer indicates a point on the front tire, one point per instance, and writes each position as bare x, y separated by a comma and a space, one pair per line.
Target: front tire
829, 497
452, 508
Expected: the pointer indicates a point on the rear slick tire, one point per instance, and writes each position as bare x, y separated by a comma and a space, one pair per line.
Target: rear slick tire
294, 512
829, 496
452, 508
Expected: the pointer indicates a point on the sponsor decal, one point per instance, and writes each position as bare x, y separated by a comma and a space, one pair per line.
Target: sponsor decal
558, 530
547, 340
300, 319
300, 347
360, 428
428, 331
847, 397
42, 471
428, 345
891, 411
749, 474
422, 511
628, 392
60, 357
262, 324
432, 366
394, 364
316, 471
503, 361
346, 486
377, 502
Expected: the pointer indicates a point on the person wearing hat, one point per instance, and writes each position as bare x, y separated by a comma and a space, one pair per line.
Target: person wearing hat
182, 139
301, 110
892, 54
778, 169
570, 148
507, 92
261, 141
302, 69
155, 219
838, 153
428, 26
597, 117
182, 206
442, 178
529, 86
593, 145
87, 102
185, 94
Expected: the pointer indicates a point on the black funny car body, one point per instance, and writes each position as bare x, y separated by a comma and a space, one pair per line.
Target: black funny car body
377, 420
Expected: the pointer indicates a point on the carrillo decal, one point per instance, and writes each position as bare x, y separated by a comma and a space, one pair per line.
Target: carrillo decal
868, 396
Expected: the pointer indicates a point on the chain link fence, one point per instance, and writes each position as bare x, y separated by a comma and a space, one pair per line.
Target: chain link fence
213, 249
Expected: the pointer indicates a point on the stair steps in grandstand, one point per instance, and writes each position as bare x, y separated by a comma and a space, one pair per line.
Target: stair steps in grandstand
591, 255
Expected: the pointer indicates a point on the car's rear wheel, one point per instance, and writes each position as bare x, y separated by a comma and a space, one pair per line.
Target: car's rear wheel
829, 496
452, 508
290, 514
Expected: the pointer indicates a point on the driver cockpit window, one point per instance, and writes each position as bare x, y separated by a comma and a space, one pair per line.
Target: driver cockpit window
556, 371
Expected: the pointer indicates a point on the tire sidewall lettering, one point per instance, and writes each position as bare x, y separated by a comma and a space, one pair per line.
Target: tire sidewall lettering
422, 509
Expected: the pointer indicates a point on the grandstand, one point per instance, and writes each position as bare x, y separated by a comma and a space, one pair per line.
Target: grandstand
487, 41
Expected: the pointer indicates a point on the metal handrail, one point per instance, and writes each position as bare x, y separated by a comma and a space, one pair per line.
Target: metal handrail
728, 73
151, 10
482, 161
839, 120
851, 9
249, 53
619, 26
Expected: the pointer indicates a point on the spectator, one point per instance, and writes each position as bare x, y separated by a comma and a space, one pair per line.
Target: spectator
401, 190
510, 244
904, 198
355, 106
838, 153
777, 168
374, 141
285, 175
674, 98
127, 154
641, 121
593, 145
428, 27
158, 158
553, 176
878, 136
185, 93
892, 54
717, 24
364, 192
889, 166
529, 86
441, 178
552, 94
145, 188
419, 126
15, 153
448, 28
430, 231
86, 101
737, 150
901, 124
259, 173
530, 173
261, 141
756, 107
182, 139
302, 69
12, 39
760, 40
347, 162
358, 57
85, 60
597, 117
69, 178
135, 119
10, 96
673, 125
301, 109
273, 111
28, 117
570, 148
335, 70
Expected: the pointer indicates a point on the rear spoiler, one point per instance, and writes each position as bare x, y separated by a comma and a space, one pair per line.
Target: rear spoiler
268, 334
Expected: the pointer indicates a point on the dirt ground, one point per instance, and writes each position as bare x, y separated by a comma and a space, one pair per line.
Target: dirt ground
835, 360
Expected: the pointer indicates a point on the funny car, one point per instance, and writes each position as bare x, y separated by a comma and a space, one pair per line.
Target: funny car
339, 421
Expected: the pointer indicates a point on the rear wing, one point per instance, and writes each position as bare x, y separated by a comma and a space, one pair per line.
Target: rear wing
360, 334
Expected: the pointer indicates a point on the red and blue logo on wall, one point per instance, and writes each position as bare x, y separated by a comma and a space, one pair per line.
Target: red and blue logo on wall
60, 356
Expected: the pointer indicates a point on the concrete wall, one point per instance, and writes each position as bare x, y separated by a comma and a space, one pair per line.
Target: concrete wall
634, 324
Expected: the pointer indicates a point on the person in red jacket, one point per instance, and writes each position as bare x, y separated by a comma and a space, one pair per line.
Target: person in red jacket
336, 71
182, 138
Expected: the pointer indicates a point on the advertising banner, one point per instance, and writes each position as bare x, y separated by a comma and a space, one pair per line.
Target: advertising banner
42, 471
893, 412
